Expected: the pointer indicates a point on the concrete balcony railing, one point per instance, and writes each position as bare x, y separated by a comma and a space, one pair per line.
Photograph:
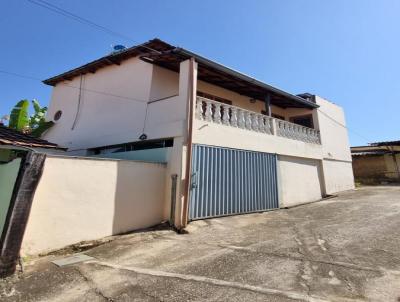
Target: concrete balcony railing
228, 115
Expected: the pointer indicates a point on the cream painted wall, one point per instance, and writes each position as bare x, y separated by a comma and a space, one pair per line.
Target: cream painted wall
334, 136
226, 136
113, 105
299, 180
81, 199
337, 168
338, 176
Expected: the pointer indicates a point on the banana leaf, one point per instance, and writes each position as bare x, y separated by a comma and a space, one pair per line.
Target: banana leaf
19, 117
37, 132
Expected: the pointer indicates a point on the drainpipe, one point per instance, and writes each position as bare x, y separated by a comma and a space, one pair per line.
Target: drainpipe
191, 97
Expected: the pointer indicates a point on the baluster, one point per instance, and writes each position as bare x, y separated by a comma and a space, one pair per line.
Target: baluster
279, 130
234, 117
254, 122
305, 134
261, 126
312, 136
225, 115
199, 109
217, 113
241, 119
308, 136
248, 120
287, 130
208, 113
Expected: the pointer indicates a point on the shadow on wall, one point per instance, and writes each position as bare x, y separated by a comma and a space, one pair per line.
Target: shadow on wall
139, 196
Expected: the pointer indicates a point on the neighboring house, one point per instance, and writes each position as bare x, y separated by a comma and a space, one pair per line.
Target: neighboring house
11, 139
379, 162
231, 144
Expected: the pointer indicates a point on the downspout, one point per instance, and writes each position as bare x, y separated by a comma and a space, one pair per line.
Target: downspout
190, 98
78, 109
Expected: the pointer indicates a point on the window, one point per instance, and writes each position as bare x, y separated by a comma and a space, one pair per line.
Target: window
57, 115
133, 146
304, 120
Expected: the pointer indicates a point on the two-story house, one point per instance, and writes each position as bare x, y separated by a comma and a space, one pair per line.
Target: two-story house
232, 144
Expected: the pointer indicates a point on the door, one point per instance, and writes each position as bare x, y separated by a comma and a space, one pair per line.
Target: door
231, 181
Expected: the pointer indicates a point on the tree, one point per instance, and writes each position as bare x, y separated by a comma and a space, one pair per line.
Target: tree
35, 125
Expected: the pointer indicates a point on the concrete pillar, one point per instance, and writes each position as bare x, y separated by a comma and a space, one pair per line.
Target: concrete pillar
177, 162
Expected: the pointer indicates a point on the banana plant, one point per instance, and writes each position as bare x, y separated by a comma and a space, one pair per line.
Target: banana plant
19, 117
37, 122
34, 125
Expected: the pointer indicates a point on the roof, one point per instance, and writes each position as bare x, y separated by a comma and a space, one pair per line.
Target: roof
374, 149
14, 138
168, 56
388, 143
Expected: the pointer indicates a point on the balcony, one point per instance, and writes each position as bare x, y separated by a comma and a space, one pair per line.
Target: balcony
232, 116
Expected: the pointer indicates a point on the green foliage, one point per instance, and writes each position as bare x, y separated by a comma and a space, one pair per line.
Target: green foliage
35, 125
19, 117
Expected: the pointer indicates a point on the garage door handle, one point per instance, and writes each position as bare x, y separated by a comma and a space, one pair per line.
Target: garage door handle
194, 183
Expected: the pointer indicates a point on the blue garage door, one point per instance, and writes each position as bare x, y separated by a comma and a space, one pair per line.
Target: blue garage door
230, 181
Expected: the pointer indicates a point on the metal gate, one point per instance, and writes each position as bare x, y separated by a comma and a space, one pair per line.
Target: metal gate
230, 181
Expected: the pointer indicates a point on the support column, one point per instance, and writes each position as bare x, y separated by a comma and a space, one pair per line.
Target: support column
182, 145
267, 101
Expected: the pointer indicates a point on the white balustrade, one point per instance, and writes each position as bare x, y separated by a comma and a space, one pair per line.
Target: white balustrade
216, 112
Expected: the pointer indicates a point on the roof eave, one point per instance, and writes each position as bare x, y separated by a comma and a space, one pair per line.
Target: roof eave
244, 77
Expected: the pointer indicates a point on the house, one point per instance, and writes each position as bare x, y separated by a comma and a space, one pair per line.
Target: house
11, 139
157, 133
376, 163
231, 144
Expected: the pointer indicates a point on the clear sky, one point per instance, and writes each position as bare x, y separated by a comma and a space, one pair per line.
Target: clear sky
347, 51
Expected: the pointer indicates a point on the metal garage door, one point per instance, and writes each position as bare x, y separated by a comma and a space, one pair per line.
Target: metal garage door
229, 181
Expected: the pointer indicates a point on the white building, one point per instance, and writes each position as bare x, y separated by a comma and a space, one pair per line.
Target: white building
232, 143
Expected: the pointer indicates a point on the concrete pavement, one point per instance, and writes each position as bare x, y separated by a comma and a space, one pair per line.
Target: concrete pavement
341, 249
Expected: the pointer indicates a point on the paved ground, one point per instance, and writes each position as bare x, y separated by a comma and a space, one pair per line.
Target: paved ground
342, 249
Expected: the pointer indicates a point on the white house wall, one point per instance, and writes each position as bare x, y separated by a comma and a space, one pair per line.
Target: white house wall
113, 106
299, 180
209, 133
338, 176
80, 199
337, 162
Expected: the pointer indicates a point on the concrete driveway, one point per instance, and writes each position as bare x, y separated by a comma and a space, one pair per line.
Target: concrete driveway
342, 249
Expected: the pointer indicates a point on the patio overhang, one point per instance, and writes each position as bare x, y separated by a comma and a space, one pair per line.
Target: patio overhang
220, 75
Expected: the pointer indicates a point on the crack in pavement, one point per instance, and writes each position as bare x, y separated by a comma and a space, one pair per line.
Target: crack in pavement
217, 282
93, 285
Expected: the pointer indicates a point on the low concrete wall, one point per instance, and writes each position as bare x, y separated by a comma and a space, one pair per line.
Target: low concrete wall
81, 199
300, 180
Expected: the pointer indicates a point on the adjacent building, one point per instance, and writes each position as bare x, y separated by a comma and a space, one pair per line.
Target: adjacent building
377, 163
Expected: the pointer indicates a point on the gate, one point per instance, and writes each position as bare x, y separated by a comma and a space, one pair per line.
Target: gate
230, 181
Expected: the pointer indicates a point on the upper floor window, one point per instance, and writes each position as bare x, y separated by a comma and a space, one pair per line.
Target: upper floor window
304, 120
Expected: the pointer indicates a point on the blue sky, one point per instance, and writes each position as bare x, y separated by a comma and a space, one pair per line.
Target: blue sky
346, 51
